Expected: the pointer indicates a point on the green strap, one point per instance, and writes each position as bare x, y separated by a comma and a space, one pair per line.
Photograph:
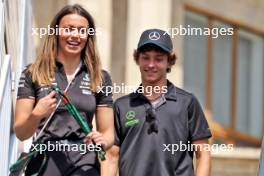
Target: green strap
43, 164
26, 158
77, 116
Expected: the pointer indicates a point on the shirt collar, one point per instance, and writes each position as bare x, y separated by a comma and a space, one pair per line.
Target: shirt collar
170, 95
59, 65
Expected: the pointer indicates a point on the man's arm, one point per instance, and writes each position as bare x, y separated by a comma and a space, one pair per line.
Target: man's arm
109, 166
203, 157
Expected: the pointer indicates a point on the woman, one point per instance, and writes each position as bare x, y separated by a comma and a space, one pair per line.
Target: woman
68, 59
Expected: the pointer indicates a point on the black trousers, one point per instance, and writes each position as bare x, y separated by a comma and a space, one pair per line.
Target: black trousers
66, 163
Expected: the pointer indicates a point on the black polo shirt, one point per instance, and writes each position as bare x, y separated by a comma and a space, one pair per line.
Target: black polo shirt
62, 124
142, 151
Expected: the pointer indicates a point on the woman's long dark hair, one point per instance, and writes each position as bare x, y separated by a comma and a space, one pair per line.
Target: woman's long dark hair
43, 68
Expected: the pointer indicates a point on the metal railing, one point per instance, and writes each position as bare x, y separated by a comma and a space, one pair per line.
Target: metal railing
5, 115
8, 147
18, 37
1, 35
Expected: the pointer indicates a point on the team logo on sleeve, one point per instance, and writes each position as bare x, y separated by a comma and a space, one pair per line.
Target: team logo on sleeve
131, 119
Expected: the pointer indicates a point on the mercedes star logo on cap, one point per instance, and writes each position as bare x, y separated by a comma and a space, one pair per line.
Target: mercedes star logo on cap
154, 36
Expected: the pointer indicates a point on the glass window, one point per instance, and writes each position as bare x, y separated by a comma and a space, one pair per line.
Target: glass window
250, 79
221, 70
194, 62
250, 85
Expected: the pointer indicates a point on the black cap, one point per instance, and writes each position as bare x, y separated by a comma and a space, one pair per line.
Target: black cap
157, 37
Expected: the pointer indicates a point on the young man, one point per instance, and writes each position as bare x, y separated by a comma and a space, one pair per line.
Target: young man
155, 132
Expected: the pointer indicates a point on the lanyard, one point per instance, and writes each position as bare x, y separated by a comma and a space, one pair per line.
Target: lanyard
72, 110
77, 116
51, 115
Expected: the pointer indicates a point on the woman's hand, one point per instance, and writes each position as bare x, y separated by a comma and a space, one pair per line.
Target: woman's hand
97, 138
28, 116
45, 106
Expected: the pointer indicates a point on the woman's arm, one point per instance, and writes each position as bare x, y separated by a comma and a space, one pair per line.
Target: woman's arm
105, 128
28, 117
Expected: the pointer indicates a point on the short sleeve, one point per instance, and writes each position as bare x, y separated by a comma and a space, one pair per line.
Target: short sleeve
105, 96
117, 125
25, 86
198, 126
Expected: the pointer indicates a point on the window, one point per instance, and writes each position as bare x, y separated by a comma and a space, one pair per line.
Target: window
226, 74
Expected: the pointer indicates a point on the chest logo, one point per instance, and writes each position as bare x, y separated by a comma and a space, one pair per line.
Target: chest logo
86, 77
131, 119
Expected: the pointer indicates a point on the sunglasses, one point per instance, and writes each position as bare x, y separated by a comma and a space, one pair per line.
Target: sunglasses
151, 118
